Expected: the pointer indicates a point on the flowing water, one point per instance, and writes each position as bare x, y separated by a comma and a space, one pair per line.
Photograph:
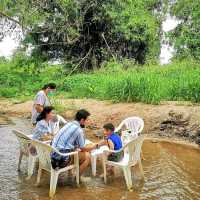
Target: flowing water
172, 172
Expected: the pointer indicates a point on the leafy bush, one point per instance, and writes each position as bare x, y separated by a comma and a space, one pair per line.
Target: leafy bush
9, 92
150, 84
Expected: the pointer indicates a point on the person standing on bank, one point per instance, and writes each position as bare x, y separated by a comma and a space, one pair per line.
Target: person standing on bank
41, 100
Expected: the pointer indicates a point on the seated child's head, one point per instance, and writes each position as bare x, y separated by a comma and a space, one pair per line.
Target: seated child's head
108, 129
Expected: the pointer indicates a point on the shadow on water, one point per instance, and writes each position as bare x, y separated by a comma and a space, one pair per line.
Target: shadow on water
172, 172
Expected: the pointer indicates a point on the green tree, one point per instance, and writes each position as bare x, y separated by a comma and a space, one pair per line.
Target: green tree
187, 34
87, 32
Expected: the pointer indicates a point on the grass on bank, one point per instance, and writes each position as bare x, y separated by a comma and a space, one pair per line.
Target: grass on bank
179, 81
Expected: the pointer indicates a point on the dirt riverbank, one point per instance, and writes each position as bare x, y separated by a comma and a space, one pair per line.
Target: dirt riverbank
174, 120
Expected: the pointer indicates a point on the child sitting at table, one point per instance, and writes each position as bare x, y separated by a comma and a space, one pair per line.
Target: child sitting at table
113, 141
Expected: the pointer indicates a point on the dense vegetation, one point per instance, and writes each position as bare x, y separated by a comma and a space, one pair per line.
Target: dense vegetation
152, 84
187, 34
88, 32
108, 39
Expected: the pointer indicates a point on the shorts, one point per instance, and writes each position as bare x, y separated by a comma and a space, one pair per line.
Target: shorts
115, 157
58, 161
58, 164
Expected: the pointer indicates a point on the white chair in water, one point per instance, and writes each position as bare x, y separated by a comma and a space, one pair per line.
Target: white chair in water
43, 152
133, 125
56, 125
131, 157
24, 142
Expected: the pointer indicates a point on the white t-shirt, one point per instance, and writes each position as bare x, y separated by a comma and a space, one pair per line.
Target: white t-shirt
41, 99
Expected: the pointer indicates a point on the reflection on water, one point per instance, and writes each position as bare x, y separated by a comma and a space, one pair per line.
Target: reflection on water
172, 172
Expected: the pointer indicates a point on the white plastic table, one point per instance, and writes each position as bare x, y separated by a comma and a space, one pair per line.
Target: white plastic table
95, 154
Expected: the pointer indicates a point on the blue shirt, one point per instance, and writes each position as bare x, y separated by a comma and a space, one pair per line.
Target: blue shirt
69, 137
116, 140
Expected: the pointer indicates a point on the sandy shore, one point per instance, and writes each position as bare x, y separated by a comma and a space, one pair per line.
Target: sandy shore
105, 111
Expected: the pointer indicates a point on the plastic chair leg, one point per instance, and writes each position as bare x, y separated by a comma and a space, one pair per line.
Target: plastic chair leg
20, 160
31, 165
77, 169
53, 183
93, 164
141, 168
128, 179
104, 169
39, 176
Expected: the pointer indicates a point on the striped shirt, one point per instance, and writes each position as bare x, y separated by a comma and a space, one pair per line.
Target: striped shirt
69, 137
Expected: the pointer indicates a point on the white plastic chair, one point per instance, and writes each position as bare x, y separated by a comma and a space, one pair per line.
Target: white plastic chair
43, 152
24, 142
131, 157
133, 124
56, 125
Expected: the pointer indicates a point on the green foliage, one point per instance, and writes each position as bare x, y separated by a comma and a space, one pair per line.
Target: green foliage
138, 25
179, 81
187, 34
103, 29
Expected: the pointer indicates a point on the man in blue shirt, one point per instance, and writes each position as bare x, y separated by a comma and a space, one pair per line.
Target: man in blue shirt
70, 138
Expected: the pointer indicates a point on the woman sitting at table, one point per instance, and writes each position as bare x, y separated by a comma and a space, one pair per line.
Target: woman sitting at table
43, 129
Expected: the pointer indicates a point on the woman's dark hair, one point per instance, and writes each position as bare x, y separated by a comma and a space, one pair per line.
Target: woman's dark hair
49, 85
44, 113
82, 114
109, 126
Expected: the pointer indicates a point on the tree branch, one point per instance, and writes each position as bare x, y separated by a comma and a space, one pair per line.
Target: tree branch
108, 46
88, 53
9, 18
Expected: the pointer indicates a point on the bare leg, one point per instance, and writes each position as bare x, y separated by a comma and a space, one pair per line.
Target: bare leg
84, 159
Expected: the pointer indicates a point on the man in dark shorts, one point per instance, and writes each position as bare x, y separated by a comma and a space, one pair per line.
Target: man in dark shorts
70, 138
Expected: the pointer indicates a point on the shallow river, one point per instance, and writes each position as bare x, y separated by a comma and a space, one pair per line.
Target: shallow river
172, 172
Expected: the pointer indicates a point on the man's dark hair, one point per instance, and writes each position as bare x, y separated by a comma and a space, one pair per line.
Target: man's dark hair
82, 114
49, 85
109, 126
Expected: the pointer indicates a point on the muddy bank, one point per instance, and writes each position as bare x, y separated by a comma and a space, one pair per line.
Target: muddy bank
175, 120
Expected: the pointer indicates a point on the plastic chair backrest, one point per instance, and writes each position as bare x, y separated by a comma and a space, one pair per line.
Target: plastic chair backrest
134, 124
133, 150
43, 153
23, 140
56, 125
